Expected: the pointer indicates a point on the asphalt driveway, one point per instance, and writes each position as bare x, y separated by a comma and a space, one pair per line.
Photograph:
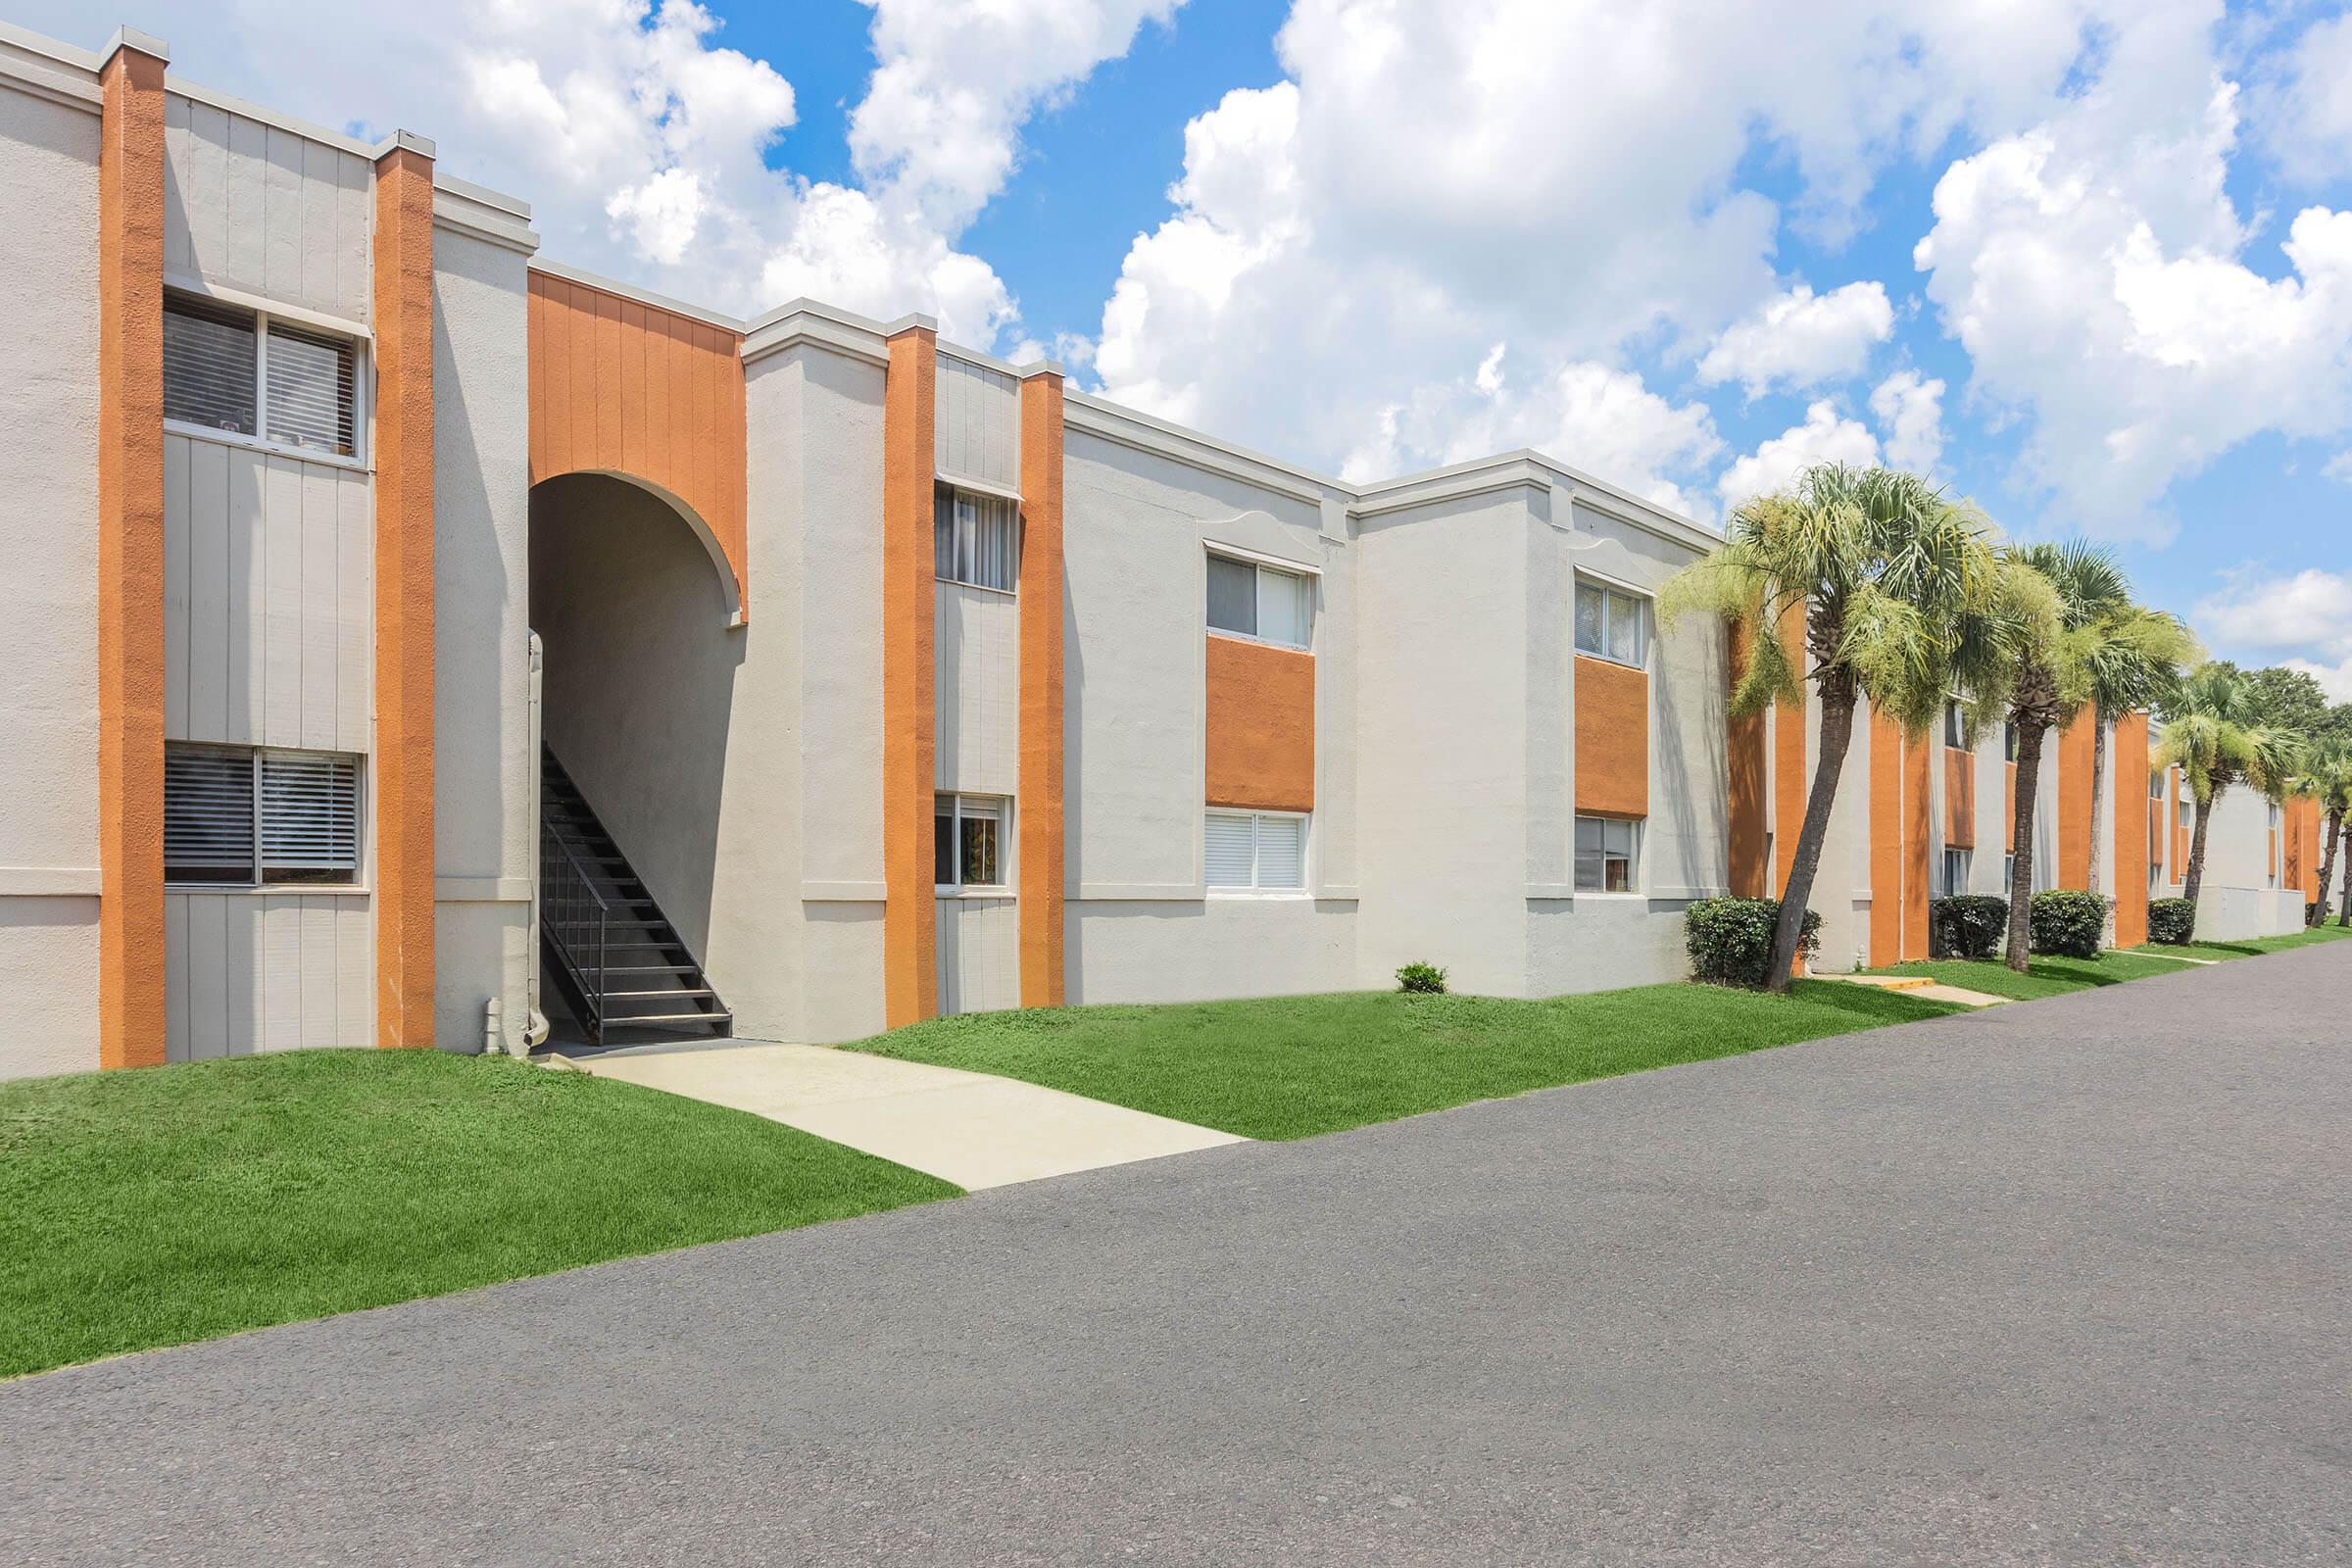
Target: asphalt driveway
2062, 1282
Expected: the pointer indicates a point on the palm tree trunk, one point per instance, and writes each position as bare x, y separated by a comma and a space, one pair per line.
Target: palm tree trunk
2344, 904
1837, 734
2099, 790
2330, 829
2021, 847
2195, 879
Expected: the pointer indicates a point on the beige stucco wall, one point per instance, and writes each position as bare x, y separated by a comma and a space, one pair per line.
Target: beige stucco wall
48, 621
485, 783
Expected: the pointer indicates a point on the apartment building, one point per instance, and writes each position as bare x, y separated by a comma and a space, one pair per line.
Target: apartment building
408, 636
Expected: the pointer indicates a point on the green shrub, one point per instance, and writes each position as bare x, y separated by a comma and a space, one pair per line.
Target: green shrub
2067, 922
1423, 977
1730, 939
1967, 925
2171, 921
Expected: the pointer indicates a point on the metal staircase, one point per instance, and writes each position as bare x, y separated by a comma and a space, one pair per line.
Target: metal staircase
620, 963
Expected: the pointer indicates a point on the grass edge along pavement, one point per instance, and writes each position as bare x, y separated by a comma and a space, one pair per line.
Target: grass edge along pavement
1297, 1066
168, 1205
2049, 976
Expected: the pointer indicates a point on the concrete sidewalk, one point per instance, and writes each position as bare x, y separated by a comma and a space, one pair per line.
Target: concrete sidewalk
970, 1128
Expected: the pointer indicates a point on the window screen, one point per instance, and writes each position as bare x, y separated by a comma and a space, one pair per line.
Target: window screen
210, 363
967, 841
974, 539
1266, 602
207, 814
1608, 623
313, 379
1605, 850
309, 816
1231, 596
1229, 856
235, 815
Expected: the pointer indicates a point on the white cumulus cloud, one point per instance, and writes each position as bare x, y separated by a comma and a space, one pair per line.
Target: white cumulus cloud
1826, 436
1801, 339
1910, 412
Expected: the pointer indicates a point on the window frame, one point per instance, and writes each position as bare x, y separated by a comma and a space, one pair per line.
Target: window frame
1965, 862
1000, 806
954, 494
1611, 593
1634, 888
1955, 726
254, 755
1255, 888
1308, 587
363, 382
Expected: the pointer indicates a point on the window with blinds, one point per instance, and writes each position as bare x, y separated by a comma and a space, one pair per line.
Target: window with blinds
1264, 602
976, 539
1255, 852
243, 373
1609, 625
242, 816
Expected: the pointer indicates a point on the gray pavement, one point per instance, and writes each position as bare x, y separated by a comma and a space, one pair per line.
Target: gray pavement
2060, 1282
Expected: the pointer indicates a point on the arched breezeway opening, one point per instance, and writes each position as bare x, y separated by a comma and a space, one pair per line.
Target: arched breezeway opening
636, 609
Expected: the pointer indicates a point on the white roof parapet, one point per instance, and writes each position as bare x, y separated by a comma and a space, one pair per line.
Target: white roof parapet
1112, 422
485, 215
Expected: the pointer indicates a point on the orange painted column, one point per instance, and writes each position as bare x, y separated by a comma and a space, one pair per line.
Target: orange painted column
1789, 786
910, 745
1744, 757
403, 299
2128, 761
1919, 814
131, 558
1039, 809
1886, 840
2075, 759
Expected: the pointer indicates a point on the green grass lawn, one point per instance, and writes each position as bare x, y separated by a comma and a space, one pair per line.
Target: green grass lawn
2043, 977
2253, 947
174, 1204
1294, 1066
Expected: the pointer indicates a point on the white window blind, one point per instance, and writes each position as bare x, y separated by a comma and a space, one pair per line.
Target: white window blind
207, 814
313, 382
974, 539
1266, 602
236, 814
1263, 851
210, 364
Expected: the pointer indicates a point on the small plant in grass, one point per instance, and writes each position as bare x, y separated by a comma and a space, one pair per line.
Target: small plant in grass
1424, 978
2067, 922
1730, 939
2171, 921
1967, 925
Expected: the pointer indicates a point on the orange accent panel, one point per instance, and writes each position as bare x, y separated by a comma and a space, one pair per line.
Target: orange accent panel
1901, 819
403, 274
1260, 727
1919, 818
1959, 797
1044, 973
620, 386
1612, 739
1750, 875
910, 911
131, 560
2301, 821
2075, 746
2180, 833
1789, 786
2128, 761
2008, 814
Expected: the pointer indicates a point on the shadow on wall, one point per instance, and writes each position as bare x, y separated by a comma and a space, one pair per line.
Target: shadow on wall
639, 678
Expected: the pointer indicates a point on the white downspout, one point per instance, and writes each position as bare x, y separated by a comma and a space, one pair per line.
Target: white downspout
535, 1035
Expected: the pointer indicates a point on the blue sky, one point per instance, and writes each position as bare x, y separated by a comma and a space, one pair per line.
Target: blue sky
1676, 244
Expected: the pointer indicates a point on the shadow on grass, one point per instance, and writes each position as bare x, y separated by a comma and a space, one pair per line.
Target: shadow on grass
1873, 1003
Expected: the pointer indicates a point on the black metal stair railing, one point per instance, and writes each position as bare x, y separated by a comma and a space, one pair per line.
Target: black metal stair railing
573, 917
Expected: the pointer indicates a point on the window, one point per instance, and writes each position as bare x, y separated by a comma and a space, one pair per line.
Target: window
2189, 813
968, 841
243, 373
976, 539
1263, 852
2155, 786
1955, 726
1606, 850
2008, 743
241, 815
1608, 623
1955, 871
2008, 873
1248, 600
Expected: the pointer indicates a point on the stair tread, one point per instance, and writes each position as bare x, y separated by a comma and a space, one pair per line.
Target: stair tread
633, 1020
664, 994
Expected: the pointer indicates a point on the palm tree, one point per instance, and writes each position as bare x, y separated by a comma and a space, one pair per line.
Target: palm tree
2326, 778
2050, 683
1890, 578
2216, 735
2135, 659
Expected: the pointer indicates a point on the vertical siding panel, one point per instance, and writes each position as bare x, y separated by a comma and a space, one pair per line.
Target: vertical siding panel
321, 607
607, 376
248, 593
943, 426
355, 612
281, 603
208, 192
679, 440
355, 973
175, 977
178, 256
534, 380
281, 971
241, 970
582, 433
705, 428
321, 226
354, 214
207, 977
246, 179
175, 586
208, 591
634, 452
320, 970
281, 218
735, 532
659, 415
